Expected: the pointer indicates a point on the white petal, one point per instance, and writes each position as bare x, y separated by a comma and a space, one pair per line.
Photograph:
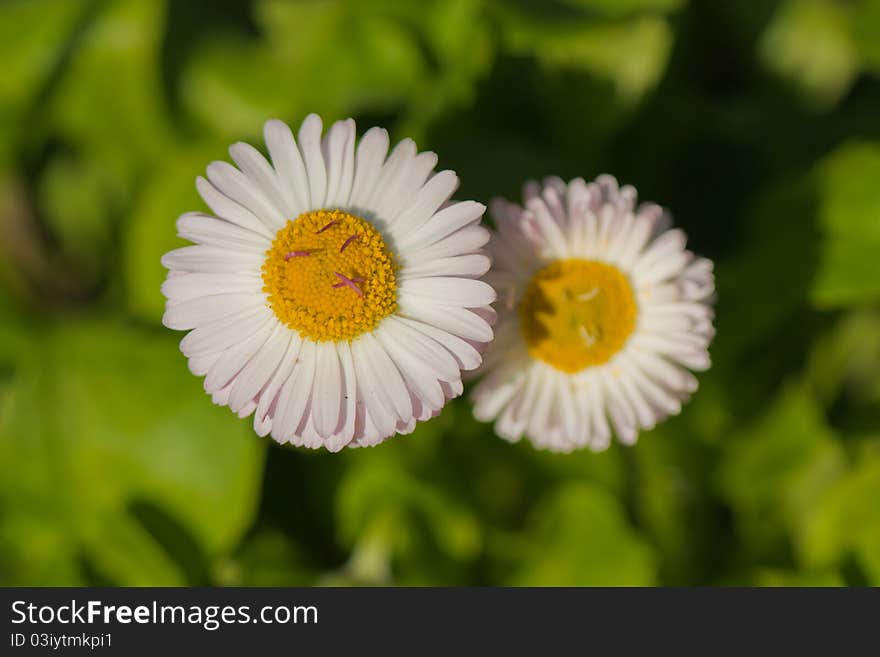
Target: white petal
497, 388
655, 394
515, 417
537, 419
225, 208
444, 223
663, 372
269, 395
221, 397
462, 322
327, 398
420, 377
259, 171
289, 167
397, 206
387, 372
211, 231
235, 358
424, 204
185, 315
664, 269
690, 350
595, 402
554, 195
574, 423
391, 181
295, 394
472, 264
466, 356
466, 240
549, 229
452, 389
645, 224
345, 432
371, 152
372, 390
644, 414
199, 365
234, 184
449, 291
426, 349
339, 158
259, 369
619, 238
219, 335
210, 259
310, 147
246, 409
190, 286
667, 244
622, 415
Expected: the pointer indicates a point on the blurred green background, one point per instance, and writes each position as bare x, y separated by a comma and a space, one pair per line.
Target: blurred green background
756, 122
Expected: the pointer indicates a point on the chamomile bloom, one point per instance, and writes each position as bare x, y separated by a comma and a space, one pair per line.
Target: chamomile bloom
335, 293
601, 315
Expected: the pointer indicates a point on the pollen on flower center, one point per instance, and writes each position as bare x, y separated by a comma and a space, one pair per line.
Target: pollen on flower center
577, 313
330, 276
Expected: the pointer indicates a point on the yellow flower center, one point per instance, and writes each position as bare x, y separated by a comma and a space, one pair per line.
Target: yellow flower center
577, 313
330, 276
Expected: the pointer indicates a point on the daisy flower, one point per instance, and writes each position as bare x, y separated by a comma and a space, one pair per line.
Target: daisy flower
602, 313
334, 294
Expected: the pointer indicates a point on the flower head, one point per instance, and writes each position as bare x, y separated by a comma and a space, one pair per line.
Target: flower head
336, 294
601, 314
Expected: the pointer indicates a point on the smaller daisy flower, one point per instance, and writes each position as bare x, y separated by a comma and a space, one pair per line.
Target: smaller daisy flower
336, 294
602, 313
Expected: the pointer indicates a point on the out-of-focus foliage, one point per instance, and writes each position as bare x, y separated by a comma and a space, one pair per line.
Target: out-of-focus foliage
758, 124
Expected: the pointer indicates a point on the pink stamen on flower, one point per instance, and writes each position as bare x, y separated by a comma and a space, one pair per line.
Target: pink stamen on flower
332, 223
345, 281
296, 254
347, 242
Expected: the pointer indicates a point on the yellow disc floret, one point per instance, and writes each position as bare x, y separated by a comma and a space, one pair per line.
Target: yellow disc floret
330, 276
577, 313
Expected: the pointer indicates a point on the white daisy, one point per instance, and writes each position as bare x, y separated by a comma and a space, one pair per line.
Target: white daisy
335, 294
602, 312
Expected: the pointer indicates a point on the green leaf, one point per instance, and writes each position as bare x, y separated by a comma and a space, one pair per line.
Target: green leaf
753, 283
104, 423
625, 7
315, 52
110, 100
107, 124
79, 209
386, 514
849, 216
865, 26
809, 42
33, 36
423, 59
268, 558
847, 357
607, 469
578, 535
459, 41
630, 54
669, 501
774, 472
776, 578
829, 218
846, 525
150, 231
